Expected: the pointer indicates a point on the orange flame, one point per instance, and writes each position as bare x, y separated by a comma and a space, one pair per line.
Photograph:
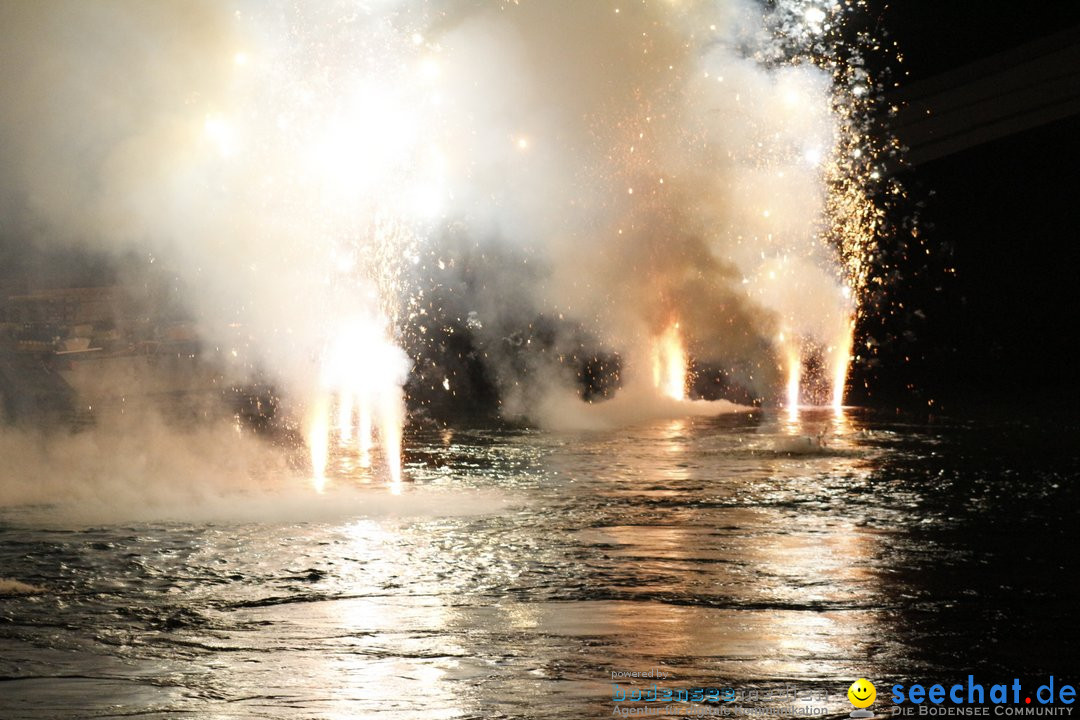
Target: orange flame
670, 364
841, 362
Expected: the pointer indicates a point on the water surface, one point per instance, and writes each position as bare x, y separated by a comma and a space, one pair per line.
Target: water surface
744, 551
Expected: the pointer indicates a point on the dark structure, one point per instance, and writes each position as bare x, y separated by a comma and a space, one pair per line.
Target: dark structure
982, 284
1023, 88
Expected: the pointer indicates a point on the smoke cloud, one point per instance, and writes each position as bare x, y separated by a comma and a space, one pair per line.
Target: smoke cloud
140, 468
608, 168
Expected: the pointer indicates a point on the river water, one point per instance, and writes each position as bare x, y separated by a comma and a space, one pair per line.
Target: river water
748, 551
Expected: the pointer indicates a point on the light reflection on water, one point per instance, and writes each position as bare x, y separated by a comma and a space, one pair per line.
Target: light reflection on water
736, 551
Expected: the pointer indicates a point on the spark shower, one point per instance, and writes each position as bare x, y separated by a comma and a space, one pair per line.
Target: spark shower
685, 181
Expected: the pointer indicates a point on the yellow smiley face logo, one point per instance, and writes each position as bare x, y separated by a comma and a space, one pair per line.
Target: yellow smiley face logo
862, 693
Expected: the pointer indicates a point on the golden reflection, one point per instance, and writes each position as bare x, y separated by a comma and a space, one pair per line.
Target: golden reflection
673, 436
841, 423
381, 658
785, 592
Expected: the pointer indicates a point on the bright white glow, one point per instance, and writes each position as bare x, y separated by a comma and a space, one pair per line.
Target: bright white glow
430, 68
363, 146
221, 133
364, 370
814, 15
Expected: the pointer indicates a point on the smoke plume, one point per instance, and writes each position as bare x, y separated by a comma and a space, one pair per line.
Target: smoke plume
605, 170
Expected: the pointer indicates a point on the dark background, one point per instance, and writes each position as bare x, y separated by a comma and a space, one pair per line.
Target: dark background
1000, 332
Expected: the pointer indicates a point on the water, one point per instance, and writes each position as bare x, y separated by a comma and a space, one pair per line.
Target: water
729, 552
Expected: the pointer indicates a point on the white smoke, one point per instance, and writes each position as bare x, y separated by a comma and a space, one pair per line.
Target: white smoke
633, 165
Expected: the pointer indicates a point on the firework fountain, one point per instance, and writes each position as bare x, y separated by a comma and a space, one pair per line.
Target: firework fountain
683, 180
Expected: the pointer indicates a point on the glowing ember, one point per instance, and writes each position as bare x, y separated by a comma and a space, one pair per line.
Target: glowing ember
669, 364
